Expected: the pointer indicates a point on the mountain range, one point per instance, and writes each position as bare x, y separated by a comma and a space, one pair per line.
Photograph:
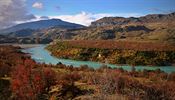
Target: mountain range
153, 27
151, 18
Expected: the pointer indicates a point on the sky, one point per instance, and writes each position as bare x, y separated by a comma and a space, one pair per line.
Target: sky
78, 11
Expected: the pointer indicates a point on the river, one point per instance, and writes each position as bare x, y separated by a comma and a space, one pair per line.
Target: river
40, 55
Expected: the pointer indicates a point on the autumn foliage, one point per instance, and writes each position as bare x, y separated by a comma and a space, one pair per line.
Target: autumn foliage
122, 45
28, 83
24, 79
116, 52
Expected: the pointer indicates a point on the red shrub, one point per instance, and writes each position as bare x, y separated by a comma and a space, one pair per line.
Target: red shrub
49, 77
25, 82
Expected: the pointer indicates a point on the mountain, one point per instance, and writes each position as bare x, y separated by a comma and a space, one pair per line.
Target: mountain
152, 18
43, 31
154, 27
36, 25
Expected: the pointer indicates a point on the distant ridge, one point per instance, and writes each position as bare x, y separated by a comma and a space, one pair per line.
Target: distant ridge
151, 18
41, 25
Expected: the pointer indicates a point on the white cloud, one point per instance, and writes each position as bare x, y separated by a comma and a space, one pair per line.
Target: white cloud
85, 18
37, 5
12, 11
37, 18
82, 18
5, 2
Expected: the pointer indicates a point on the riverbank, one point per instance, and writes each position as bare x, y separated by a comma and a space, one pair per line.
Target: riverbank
150, 55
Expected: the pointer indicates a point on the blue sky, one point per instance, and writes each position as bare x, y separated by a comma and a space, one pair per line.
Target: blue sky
101, 6
86, 11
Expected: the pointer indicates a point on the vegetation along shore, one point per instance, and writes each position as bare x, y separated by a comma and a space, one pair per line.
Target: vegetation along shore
115, 52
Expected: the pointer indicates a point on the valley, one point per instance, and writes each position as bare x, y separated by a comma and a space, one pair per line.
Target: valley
55, 54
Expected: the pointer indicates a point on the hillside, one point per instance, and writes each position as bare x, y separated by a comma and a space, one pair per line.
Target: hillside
152, 18
157, 27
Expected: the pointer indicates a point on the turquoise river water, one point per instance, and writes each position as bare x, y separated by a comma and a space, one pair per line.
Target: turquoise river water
40, 55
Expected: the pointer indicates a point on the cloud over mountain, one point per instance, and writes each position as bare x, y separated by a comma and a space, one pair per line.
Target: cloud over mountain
85, 18
37, 5
12, 11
